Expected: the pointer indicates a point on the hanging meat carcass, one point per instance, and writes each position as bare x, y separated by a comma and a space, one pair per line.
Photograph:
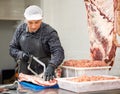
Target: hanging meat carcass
102, 29
117, 17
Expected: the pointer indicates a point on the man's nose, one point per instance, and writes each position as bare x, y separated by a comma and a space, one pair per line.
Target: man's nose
33, 26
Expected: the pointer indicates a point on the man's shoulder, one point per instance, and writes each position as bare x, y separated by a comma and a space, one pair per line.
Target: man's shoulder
22, 25
20, 29
47, 27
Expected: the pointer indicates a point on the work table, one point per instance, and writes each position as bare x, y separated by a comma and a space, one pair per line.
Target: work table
59, 91
19, 89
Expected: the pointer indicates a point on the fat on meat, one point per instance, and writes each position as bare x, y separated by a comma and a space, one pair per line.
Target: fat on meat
101, 27
35, 79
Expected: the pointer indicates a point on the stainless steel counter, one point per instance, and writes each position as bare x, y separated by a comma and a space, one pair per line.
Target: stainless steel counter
22, 90
59, 91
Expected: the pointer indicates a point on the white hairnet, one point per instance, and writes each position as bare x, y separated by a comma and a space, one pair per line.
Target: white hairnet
33, 12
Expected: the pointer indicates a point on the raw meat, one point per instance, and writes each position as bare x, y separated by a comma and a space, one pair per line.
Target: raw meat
87, 86
85, 78
36, 80
84, 63
117, 16
101, 20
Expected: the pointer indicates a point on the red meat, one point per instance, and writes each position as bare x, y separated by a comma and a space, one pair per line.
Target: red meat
101, 27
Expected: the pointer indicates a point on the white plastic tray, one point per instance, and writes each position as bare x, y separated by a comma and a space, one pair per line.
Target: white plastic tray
76, 71
88, 86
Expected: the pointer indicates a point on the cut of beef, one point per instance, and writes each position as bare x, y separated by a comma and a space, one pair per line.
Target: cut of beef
36, 80
101, 20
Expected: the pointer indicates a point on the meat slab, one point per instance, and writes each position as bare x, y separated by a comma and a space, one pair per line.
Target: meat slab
101, 27
36, 80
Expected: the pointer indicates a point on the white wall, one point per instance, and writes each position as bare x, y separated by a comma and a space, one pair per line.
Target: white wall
68, 17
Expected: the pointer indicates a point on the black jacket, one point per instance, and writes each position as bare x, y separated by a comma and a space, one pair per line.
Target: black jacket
50, 42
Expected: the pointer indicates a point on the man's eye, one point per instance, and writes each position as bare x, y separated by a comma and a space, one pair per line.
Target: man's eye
36, 22
30, 23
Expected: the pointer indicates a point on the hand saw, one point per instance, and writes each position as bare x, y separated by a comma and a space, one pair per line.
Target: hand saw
38, 61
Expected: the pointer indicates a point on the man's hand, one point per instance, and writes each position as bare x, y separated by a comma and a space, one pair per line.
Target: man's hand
50, 72
25, 57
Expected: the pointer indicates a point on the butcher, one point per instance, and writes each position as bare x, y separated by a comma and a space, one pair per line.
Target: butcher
34, 37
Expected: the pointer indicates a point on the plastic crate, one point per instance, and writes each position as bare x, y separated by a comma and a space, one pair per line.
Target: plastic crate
79, 87
75, 71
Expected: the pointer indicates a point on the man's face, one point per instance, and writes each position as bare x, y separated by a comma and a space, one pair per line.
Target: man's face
33, 25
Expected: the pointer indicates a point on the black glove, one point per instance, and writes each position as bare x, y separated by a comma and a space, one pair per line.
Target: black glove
25, 57
50, 72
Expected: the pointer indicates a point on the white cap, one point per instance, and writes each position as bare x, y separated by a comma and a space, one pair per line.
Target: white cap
33, 12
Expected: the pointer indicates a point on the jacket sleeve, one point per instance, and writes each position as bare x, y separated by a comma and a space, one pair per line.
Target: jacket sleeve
57, 51
14, 47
